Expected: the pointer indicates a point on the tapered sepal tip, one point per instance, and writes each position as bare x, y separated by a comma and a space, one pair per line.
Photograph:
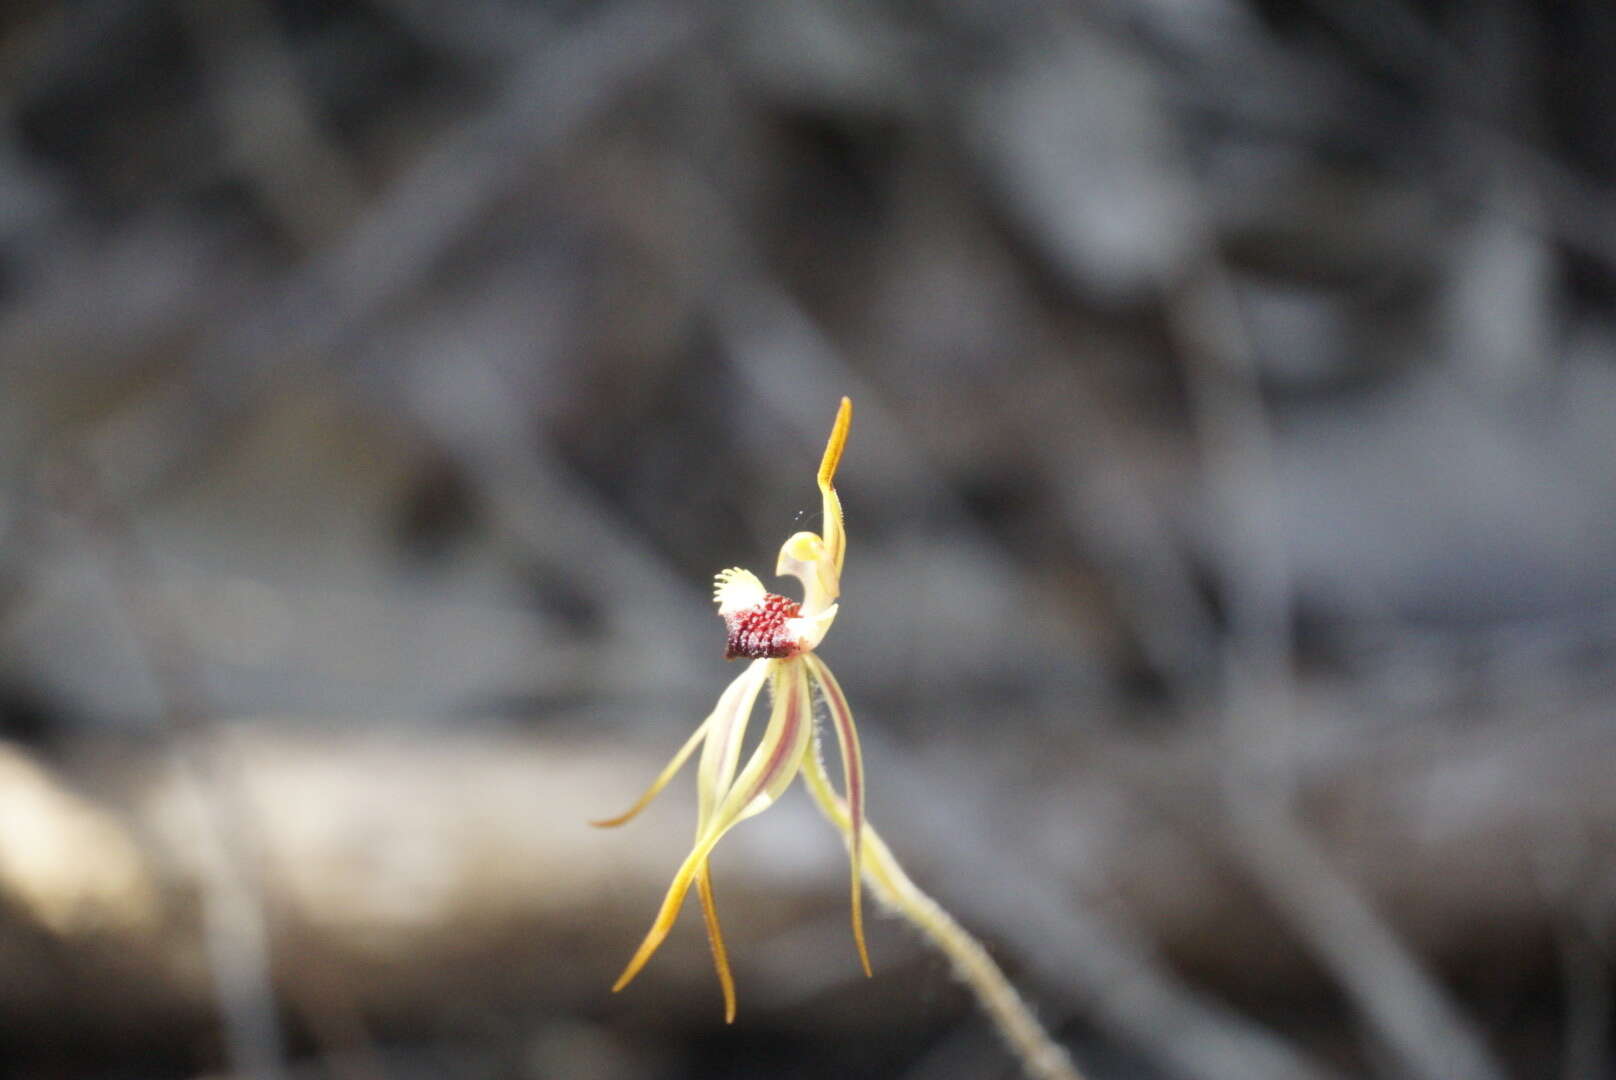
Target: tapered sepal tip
834, 445
715, 938
661, 781
858, 928
858, 937
629, 972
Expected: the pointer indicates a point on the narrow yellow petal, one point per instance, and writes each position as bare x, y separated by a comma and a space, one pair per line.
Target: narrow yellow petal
853, 778
726, 704
669, 912
715, 939
659, 783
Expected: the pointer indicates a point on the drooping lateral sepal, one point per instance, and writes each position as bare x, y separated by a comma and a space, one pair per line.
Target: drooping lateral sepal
841, 715
715, 939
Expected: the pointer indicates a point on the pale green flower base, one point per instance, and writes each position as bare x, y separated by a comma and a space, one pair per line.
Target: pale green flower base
1040, 1055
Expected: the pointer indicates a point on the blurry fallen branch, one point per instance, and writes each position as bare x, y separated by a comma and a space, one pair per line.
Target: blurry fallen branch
67, 865
413, 867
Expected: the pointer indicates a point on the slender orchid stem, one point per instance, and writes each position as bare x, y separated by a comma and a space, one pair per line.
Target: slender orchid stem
1040, 1055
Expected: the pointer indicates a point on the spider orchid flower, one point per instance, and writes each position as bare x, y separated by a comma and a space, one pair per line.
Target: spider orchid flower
778, 636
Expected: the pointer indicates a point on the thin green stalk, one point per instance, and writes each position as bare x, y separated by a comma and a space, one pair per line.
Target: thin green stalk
1040, 1055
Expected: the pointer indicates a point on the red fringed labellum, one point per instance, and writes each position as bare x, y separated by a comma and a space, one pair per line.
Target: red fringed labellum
760, 632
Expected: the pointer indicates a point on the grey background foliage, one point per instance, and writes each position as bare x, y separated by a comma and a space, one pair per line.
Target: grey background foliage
1231, 592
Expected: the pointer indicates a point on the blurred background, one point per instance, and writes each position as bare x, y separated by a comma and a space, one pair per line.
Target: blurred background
1231, 595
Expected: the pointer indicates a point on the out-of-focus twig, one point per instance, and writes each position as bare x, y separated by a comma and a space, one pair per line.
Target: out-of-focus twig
1404, 1005
547, 96
268, 122
1577, 885
234, 913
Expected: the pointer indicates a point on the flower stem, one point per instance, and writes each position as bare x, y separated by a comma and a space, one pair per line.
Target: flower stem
1040, 1055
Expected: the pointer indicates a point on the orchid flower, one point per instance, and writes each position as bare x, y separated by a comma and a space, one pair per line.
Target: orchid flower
779, 636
